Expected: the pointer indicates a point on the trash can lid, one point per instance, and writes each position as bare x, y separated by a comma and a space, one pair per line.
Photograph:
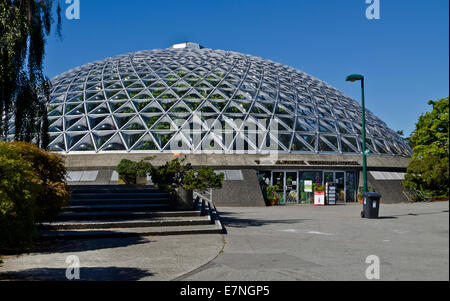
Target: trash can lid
371, 194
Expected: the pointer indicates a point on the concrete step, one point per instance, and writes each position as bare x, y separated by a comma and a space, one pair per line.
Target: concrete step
113, 215
129, 232
117, 201
112, 188
95, 207
173, 221
120, 195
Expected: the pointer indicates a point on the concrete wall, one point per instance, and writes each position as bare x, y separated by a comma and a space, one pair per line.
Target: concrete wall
246, 193
391, 190
240, 160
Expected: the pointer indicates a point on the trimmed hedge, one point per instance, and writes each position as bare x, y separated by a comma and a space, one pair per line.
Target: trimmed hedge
33, 189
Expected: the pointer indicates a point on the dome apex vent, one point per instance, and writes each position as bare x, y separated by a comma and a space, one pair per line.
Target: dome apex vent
187, 45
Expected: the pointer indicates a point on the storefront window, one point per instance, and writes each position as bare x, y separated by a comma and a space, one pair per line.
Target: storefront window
350, 186
306, 196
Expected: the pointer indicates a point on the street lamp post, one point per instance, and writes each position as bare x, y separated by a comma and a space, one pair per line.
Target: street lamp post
353, 78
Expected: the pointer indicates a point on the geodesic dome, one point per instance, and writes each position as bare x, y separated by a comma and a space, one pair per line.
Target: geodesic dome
144, 101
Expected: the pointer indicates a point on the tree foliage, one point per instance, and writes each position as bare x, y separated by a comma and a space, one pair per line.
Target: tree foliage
24, 90
428, 171
129, 170
33, 189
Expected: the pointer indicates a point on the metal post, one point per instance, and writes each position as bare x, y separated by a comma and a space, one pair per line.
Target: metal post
364, 138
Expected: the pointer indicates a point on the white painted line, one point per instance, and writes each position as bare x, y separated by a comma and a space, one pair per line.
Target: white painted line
319, 233
306, 232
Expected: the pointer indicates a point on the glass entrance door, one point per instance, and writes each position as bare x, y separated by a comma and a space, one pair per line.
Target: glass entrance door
287, 183
337, 177
291, 187
278, 180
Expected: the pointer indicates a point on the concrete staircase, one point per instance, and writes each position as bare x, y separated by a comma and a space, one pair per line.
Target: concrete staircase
99, 211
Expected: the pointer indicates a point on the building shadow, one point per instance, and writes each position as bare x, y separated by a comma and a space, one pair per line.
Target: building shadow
387, 217
86, 274
85, 244
229, 219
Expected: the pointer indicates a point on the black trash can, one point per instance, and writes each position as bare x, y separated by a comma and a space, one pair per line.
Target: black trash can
371, 204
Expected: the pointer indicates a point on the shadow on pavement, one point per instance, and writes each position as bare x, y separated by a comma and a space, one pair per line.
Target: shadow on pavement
229, 220
81, 245
86, 274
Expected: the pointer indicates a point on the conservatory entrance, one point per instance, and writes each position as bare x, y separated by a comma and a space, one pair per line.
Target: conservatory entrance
297, 186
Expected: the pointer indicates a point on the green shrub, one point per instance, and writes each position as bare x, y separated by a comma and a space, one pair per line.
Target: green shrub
19, 186
129, 170
175, 174
202, 179
32, 190
170, 175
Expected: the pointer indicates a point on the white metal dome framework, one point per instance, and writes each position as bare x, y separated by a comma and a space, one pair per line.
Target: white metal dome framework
134, 102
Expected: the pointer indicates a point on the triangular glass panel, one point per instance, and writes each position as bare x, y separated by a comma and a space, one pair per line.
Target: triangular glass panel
234, 108
140, 104
97, 108
113, 85
146, 143
326, 126
95, 120
193, 96
131, 137
299, 145
164, 124
150, 119
349, 145
244, 105
126, 109
93, 86
114, 105
57, 145
162, 138
79, 126
100, 138
71, 121
219, 105
145, 95
208, 108
167, 104
114, 144
168, 95
136, 85
180, 108
77, 97
289, 122
158, 85
193, 105
79, 110
106, 125
122, 119
56, 126
84, 145
154, 107
328, 144
281, 110
73, 138
268, 106
120, 96
135, 125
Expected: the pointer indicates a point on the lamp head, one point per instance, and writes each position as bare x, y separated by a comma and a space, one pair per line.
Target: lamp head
354, 77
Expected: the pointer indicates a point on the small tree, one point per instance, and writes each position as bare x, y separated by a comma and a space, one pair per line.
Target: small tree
202, 179
129, 170
428, 171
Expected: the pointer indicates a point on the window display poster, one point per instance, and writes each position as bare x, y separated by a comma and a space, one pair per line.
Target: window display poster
308, 186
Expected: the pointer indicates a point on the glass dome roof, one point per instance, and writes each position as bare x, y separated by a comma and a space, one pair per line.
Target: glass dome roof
146, 101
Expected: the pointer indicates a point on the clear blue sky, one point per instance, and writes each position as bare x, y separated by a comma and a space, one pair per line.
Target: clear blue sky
404, 55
